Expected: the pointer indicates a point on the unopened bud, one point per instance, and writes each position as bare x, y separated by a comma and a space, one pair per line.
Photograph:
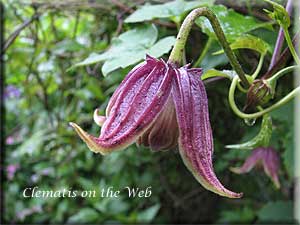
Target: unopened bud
259, 93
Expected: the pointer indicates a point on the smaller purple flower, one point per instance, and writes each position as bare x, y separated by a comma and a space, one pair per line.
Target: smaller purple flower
11, 170
14, 138
11, 92
266, 157
10, 140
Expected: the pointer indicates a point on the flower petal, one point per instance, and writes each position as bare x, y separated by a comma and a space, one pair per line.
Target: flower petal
99, 120
136, 105
195, 136
255, 157
140, 69
271, 163
163, 134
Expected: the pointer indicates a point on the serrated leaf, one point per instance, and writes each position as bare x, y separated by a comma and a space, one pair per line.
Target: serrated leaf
166, 10
233, 24
130, 48
249, 42
279, 211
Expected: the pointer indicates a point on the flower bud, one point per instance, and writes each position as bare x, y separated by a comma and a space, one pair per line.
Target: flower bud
259, 93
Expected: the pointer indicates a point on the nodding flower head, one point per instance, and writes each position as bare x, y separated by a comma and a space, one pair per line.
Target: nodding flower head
266, 157
160, 105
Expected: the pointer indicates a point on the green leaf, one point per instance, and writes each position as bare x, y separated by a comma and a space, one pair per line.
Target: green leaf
162, 46
130, 48
240, 215
148, 215
166, 10
232, 23
85, 215
125, 59
145, 36
32, 144
279, 211
250, 42
91, 59
230, 74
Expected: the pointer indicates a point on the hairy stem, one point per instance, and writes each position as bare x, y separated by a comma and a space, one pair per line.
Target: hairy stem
176, 54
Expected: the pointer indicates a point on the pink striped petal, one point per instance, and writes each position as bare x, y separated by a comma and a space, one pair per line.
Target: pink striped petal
133, 108
254, 159
271, 164
262, 156
195, 136
142, 68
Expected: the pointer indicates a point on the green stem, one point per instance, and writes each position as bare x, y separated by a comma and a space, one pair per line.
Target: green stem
236, 110
282, 72
258, 68
241, 88
290, 44
204, 51
177, 51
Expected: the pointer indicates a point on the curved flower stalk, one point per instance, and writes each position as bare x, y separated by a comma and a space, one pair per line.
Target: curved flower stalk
159, 105
267, 157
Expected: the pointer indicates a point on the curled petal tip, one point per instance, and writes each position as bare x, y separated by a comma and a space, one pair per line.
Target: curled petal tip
88, 139
99, 120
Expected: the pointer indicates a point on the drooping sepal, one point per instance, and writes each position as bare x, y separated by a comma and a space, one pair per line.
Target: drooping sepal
133, 108
195, 137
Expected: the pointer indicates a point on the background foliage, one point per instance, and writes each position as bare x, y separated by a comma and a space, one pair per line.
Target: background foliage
69, 61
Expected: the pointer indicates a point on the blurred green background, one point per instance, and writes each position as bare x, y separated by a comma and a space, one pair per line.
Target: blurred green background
42, 96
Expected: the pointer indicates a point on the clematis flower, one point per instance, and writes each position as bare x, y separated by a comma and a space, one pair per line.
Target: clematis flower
160, 105
266, 157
